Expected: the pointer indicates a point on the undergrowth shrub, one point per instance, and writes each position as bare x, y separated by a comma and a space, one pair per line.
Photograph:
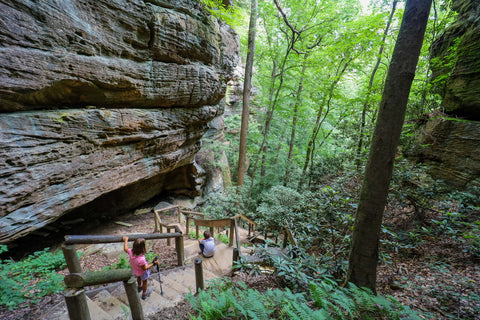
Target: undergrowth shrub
324, 300
31, 278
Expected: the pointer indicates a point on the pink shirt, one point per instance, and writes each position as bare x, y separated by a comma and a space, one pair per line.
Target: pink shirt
137, 262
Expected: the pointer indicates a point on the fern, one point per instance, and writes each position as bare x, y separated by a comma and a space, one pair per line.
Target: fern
222, 301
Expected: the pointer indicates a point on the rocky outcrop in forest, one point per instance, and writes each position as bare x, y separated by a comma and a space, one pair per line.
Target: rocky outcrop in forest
103, 104
451, 143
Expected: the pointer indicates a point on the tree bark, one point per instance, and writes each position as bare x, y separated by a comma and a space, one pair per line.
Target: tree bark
373, 195
247, 86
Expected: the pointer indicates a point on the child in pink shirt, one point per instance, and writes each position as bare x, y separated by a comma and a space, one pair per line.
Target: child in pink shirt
140, 266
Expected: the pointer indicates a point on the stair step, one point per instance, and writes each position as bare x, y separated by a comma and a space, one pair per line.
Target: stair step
111, 305
171, 295
60, 312
154, 302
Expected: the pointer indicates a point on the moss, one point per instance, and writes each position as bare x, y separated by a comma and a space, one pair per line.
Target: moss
460, 120
62, 117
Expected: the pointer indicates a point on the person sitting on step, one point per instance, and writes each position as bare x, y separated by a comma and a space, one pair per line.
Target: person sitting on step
207, 245
140, 266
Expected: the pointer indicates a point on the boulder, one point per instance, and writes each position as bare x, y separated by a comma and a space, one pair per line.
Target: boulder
103, 104
452, 148
456, 60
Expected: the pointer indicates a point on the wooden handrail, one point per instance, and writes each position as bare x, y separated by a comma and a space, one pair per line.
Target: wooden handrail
95, 239
245, 218
213, 223
80, 280
192, 213
167, 208
156, 211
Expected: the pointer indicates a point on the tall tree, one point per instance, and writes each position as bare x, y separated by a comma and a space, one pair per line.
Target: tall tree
363, 258
295, 120
247, 86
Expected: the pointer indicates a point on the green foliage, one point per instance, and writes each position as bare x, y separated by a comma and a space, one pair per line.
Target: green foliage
224, 204
324, 300
31, 278
353, 302
299, 269
246, 266
445, 65
278, 207
231, 15
223, 238
121, 264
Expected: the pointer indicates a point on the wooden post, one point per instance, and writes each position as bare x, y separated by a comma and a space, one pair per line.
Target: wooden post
71, 258
236, 255
187, 226
232, 232
180, 250
249, 229
179, 215
196, 230
157, 222
77, 304
211, 230
169, 242
199, 274
237, 239
133, 298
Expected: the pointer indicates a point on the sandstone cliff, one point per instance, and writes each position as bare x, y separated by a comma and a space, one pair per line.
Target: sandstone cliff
103, 104
451, 143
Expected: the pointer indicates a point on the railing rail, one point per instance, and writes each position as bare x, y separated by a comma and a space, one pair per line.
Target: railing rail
95, 239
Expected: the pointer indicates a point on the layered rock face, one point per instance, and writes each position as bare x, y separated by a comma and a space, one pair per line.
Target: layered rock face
461, 92
451, 143
103, 104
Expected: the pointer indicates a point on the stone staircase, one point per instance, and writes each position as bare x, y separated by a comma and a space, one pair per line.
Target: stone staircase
110, 302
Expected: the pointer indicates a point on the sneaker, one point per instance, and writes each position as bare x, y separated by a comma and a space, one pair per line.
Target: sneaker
147, 294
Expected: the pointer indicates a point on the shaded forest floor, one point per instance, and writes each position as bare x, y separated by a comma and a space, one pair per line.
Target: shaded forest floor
436, 276
433, 274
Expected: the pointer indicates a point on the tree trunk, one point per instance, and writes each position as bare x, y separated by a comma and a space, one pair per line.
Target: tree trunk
373, 195
247, 86
294, 121
319, 121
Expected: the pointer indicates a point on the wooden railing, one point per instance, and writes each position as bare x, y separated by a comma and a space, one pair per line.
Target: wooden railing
189, 216
219, 223
77, 280
251, 223
159, 225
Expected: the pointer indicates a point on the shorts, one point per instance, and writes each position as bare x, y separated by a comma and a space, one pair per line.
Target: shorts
145, 275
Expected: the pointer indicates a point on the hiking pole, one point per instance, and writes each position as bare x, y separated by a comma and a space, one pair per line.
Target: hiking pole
158, 270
